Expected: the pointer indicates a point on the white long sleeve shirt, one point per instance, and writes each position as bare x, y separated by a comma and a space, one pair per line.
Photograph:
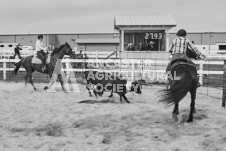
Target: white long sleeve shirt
40, 46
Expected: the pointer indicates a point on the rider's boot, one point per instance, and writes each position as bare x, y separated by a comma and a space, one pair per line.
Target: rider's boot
44, 69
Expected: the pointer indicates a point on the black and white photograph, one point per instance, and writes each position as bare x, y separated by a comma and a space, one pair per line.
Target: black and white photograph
112, 75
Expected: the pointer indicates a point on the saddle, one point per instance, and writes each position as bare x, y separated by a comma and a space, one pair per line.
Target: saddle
182, 59
179, 59
41, 57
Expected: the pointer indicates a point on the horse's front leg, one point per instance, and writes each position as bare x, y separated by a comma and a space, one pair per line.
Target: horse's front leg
62, 82
63, 79
53, 78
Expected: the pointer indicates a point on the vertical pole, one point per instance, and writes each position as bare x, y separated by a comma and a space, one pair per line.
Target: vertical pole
200, 73
122, 39
67, 68
133, 69
97, 64
4, 70
224, 85
167, 40
134, 40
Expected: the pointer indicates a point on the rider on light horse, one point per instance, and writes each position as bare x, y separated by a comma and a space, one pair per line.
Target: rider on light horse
179, 48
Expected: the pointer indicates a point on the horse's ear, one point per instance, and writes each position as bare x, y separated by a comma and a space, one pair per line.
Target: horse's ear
66, 43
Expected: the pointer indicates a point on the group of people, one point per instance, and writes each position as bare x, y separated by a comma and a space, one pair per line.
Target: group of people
141, 47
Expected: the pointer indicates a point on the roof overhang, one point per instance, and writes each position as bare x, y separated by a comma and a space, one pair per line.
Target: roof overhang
144, 22
154, 27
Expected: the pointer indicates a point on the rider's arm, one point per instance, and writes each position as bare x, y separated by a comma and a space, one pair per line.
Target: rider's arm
192, 47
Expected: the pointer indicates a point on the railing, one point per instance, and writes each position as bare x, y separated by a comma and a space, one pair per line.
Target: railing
101, 54
8, 53
134, 66
121, 54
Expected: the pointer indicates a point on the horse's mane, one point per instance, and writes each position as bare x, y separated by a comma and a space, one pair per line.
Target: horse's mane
56, 50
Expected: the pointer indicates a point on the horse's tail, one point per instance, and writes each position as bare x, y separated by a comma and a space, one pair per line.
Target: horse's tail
18, 64
177, 92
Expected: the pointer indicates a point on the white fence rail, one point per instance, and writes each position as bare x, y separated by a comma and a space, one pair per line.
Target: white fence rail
150, 67
216, 54
7, 53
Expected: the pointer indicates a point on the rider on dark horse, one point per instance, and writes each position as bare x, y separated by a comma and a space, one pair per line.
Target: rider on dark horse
179, 48
42, 51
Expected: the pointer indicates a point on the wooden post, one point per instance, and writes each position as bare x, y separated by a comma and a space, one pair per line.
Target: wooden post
4, 70
224, 85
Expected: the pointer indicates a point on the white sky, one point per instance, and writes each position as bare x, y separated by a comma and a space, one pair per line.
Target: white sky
89, 16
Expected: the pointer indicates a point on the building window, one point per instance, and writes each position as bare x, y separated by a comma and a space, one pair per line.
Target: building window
222, 47
10, 45
1, 45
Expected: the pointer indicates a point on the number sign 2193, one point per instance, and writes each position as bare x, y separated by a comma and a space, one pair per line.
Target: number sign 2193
153, 36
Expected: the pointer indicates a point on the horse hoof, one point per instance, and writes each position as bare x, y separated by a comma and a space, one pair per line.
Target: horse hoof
46, 87
175, 118
189, 120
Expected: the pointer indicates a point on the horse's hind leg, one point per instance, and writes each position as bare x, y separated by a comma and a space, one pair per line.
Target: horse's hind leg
192, 105
175, 111
31, 81
25, 78
95, 93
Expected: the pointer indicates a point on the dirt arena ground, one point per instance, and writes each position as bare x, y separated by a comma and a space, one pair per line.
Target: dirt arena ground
42, 121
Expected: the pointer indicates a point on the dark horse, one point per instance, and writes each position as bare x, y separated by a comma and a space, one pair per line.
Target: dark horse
30, 67
185, 82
